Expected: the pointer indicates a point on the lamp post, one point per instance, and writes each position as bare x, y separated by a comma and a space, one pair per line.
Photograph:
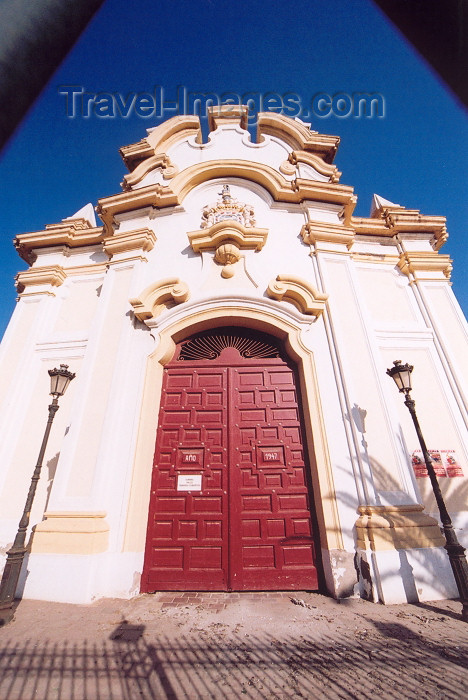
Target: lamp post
401, 374
59, 381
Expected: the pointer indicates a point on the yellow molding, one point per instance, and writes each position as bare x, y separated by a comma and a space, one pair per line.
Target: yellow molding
313, 232
71, 533
159, 160
131, 258
402, 221
150, 196
286, 168
32, 294
174, 130
299, 292
327, 169
297, 135
412, 262
230, 230
91, 269
161, 138
440, 280
280, 189
135, 153
152, 300
334, 193
225, 114
410, 221
49, 274
72, 233
370, 227
264, 175
397, 527
138, 239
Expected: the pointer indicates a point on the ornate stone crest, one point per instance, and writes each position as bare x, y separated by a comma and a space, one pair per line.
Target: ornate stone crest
228, 209
228, 227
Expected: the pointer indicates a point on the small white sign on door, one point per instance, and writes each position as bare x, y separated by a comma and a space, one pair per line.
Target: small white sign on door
189, 482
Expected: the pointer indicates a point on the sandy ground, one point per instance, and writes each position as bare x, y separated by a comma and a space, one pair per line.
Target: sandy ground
252, 645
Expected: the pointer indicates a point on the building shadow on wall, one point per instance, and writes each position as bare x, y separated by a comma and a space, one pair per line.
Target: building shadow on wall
51, 468
200, 665
428, 568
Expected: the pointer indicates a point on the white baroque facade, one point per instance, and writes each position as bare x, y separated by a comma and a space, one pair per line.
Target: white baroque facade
259, 238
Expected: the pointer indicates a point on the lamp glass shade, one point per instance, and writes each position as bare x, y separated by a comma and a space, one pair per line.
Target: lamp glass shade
59, 380
401, 374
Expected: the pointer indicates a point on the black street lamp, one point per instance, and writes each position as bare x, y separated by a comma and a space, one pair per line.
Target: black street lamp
401, 374
59, 381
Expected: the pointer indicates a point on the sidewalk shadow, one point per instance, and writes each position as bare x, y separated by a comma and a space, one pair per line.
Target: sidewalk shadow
379, 658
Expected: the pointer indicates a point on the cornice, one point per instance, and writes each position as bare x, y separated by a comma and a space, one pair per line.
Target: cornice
404, 222
152, 301
72, 233
223, 231
135, 153
414, 263
53, 275
330, 171
139, 239
173, 131
155, 195
292, 131
299, 292
333, 193
370, 227
281, 190
160, 139
410, 221
227, 114
314, 232
159, 160
297, 135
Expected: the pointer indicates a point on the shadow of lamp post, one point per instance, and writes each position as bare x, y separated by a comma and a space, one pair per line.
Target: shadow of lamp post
59, 381
401, 374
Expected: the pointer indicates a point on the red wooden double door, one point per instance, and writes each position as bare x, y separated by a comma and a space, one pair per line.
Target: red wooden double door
229, 507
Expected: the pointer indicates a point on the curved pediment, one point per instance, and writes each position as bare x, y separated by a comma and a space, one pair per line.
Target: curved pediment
153, 300
299, 292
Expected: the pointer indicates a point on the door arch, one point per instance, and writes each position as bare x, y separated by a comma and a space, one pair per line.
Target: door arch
230, 507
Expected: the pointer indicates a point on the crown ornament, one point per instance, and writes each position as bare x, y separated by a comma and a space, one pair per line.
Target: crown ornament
228, 209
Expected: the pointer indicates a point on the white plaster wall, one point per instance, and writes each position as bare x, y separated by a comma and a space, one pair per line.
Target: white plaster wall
372, 311
229, 141
383, 469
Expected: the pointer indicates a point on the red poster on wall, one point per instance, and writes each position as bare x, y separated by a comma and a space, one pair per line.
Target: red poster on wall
437, 462
445, 463
452, 465
419, 466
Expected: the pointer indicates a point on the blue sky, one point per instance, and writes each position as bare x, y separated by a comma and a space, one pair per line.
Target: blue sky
415, 155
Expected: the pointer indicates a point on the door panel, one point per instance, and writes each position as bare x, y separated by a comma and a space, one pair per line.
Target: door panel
187, 530
273, 548
247, 526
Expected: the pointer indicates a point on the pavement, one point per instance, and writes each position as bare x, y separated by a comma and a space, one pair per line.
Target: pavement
234, 645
